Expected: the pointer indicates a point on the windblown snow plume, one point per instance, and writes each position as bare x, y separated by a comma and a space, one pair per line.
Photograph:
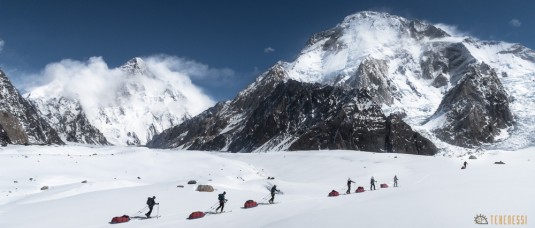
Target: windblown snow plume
128, 104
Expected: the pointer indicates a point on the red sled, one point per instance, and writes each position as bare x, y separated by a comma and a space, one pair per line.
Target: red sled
384, 186
196, 215
360, 189
333, 193
120, 219
250, 204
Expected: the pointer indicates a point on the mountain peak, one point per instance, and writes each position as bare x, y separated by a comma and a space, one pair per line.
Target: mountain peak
373, 16
135, 66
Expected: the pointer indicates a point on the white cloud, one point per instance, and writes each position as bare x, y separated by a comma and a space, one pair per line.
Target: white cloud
192, 68
269, 50
97, 85
515, 23
452, 30
2, 44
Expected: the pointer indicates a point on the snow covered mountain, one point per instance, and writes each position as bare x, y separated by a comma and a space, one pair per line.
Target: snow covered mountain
296, 116
20, 123
140, 102
67, 116
453, 89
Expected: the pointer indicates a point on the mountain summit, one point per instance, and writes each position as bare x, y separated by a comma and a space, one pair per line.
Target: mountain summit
451, 89
137, 101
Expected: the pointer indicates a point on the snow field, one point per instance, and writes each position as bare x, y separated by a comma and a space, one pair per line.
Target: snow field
433, 192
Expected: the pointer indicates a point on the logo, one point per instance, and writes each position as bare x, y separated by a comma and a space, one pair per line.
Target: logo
507, 219
481, 219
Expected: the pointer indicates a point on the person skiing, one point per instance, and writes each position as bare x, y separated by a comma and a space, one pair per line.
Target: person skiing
395, 180
465, 164
349, 181
151, 203
372, 182
222, 201
273, 191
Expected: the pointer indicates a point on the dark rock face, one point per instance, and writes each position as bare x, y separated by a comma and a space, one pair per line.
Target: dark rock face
4, 138
72, 125
295, 116
451, 59
475, 110
20, 120
372, 75
420, 30
401, 138
333, 35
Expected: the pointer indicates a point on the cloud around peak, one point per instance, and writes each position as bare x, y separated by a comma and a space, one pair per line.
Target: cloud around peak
451, 29
95, 84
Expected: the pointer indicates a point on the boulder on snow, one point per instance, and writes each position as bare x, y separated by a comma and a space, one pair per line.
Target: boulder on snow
84, 182
192, 182
472, 157
44, 188
499, 163
205, 188
180, 186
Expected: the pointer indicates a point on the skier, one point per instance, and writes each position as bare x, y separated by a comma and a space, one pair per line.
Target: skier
349, 181
465, 164
395, 180
372, 182
273, 190
222, 201
151, 203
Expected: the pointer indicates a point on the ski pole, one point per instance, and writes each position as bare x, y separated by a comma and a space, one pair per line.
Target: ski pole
139, 212
158, 212
213, 206
265, 197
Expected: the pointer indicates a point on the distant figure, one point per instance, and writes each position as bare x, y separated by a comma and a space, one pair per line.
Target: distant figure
222, 201
372, 182
349, 181
465, 164
395, 180
151, 203
273, 190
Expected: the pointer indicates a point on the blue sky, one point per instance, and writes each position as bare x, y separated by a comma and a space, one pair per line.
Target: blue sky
245, 36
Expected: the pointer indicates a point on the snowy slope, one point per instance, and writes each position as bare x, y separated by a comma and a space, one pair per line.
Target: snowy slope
417, 64
129, 104
455, 90
433, 192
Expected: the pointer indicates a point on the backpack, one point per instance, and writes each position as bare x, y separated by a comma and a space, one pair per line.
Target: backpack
221, 196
